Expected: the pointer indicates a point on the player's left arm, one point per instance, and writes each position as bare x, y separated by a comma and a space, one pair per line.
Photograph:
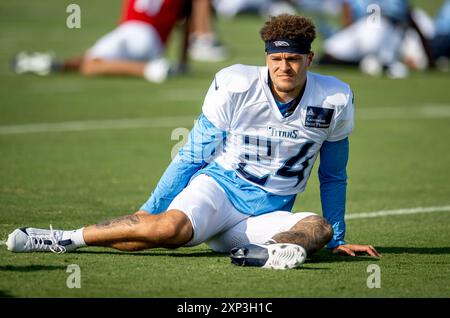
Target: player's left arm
333, 188
333, 181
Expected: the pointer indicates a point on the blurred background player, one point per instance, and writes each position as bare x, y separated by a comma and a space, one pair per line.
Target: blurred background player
136, 47
440, 43
373, 37
204, 45
229, 9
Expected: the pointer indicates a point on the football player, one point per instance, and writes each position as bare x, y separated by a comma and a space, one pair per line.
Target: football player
234, 183
388, 22
133, 48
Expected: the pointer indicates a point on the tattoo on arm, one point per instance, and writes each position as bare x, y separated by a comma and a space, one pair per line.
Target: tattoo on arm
312, 233
129, 220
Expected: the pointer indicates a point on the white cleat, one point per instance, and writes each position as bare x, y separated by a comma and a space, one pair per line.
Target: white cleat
275, 256
157, 70
206, 48
25, 240
371, 65
37, 63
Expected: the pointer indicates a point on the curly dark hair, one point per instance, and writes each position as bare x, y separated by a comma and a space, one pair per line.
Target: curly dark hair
291, 27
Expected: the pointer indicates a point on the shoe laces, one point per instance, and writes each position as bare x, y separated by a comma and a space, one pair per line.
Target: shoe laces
55, 247
39, 242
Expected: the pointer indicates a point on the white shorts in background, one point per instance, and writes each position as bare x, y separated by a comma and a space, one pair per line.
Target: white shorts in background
256, 229
219, 224
132, 40
363, 38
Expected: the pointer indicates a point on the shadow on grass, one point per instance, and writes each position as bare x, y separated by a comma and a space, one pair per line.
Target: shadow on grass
180, 253
309, 268
325, 256
5, 294
31, 268
168, 252
414, 250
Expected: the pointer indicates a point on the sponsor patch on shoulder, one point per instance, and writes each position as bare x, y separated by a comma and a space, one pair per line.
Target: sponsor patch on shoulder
318, 117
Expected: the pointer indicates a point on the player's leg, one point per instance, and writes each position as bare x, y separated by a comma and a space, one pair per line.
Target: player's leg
199, 212
273, 239
203, 43
311, 232
132, 49
352, 46
208, 208
344, 46
141, 231
108, 47
72, 64
203, 210
99, 66
131, 232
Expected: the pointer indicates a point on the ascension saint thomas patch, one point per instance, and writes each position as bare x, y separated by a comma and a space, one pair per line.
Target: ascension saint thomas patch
318, 117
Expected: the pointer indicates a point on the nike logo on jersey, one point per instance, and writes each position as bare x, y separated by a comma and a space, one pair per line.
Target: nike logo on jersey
318, 117
215, 84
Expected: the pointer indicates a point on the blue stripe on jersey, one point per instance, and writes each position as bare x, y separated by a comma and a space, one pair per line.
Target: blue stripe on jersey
333, 186
245, 197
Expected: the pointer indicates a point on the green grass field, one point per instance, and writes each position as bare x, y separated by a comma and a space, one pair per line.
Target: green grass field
400, 159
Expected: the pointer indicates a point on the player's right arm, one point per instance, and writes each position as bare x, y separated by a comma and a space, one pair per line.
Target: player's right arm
204, 140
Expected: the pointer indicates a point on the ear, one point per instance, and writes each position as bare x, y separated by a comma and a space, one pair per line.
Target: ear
310, 58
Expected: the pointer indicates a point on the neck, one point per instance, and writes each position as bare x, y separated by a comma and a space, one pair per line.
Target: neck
286, 96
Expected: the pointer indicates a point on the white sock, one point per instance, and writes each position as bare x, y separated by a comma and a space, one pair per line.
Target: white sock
157, 70
76, 236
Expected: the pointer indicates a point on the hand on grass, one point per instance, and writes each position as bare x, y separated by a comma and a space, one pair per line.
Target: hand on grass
354, 249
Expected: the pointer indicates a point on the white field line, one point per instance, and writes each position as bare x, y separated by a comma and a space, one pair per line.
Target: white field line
426, 112
429, 111
125, 123
376, 214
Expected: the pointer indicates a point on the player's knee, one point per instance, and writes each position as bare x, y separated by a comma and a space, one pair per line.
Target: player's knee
321, 226
175, 228
327, 230
88, 67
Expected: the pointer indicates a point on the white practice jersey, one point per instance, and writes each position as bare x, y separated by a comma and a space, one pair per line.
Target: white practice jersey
268, 150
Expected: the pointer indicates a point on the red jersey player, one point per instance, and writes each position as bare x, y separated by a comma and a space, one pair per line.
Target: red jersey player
135, 47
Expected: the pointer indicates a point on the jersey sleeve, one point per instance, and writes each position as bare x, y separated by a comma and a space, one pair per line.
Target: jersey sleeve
204, 141
218, 103
344, 120
333, 187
